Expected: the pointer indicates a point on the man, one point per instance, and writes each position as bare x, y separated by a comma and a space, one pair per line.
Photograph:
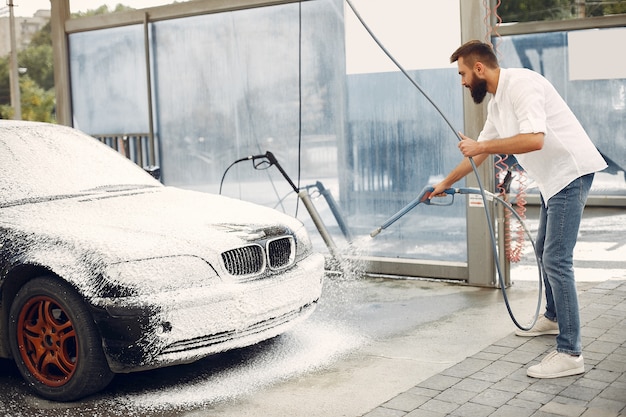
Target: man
527, 118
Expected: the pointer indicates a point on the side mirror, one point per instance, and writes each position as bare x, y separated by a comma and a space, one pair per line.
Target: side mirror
153, 170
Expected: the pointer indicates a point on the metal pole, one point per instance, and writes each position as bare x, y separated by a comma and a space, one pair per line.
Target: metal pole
60, 15
480, 258
16, 101
319, 224
334, 208
151, 147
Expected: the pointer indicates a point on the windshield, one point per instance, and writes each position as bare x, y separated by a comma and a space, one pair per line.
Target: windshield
40, 161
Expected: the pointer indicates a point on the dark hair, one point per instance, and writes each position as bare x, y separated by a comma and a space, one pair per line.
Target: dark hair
475, 51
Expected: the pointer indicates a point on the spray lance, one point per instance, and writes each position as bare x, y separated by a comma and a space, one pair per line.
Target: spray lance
423, 198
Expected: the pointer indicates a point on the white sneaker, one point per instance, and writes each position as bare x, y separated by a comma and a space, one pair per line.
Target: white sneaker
541, 327
556, 365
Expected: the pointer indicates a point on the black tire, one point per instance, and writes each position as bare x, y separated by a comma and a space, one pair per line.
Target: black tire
54, 341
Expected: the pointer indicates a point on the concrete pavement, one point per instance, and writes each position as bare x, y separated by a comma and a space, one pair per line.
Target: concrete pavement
493, 382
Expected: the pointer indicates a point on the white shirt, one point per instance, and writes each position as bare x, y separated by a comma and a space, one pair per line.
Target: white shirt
525, 102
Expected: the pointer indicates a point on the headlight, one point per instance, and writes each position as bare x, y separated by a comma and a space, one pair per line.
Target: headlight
154, 275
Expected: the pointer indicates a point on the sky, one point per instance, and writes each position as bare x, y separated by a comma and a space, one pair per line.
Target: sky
420, 34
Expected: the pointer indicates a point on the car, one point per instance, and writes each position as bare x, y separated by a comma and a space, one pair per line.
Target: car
105, 270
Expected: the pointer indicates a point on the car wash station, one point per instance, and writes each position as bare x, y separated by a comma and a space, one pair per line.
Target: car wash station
344, 114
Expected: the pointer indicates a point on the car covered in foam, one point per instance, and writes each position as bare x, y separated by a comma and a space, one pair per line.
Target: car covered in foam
105, 270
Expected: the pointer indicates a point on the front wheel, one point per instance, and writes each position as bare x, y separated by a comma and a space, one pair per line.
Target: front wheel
54, 341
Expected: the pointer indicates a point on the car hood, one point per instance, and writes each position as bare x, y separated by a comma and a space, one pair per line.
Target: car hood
156, 222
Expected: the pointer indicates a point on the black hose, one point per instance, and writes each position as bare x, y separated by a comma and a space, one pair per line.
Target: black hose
229, 167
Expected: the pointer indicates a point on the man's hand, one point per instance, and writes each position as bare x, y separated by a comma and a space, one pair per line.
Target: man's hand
469, 147
438, 191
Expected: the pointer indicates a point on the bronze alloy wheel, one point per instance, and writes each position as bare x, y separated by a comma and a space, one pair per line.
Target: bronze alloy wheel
55, 342
47, 341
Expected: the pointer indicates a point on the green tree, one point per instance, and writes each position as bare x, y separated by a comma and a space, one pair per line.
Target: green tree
604, 8
38, 62
37, 103
535, 10
104, 9
5, 89
37, 83
43, 36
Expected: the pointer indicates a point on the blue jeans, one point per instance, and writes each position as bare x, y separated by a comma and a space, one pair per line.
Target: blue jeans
559, 222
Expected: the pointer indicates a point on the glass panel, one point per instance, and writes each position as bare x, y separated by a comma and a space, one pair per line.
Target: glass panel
598, 101
397, 145
227, 86
108, 76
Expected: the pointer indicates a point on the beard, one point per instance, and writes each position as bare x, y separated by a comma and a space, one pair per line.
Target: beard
478, 89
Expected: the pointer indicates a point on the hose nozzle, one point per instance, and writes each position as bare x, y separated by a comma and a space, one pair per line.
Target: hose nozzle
376, 231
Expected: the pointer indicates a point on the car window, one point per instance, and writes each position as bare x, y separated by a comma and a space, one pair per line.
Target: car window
40, 161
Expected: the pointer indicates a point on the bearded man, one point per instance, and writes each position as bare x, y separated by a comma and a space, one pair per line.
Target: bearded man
529, 119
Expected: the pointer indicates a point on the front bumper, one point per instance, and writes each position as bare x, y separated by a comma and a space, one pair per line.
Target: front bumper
176, 327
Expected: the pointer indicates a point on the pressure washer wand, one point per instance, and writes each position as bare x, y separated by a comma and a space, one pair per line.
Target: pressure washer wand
423, 197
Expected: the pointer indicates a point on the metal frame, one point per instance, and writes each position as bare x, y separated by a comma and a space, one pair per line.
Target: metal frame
480, 257
138, 147
563, 25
